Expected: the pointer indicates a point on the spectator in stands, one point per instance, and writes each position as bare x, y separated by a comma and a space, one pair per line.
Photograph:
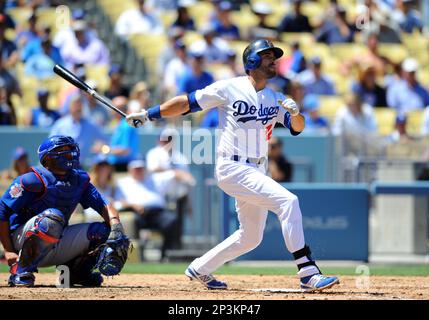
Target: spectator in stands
297, 62
196, 77
116, 87
387, 33
407, 94
93, 109
102, 174
42, 46
41, 65
102, 177
8, 50
7, 111
297, 92
42, 116
370, 57
160, 6
144, 193
425, 124
66, 34
4, 15
184, 20
215, 49
313, 120
224, 26
138, 20
174, 70
400, 135
8, 81
140, 97
314, 81
166, 155
262, 10
81, 129
336, 30
168, 53
296, 21
356, 118
367, 87
124, 142
67, 90
407, 16
20, 165
25, 36
230, 69
85, 50
280, 169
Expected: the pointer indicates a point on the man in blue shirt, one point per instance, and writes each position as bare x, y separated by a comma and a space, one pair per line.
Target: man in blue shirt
81, 129
35, 212
196, 77
42, 116
223, 26
124, 143
314, 82
407, 94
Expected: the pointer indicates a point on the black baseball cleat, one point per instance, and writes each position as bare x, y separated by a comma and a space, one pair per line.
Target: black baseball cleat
93, 280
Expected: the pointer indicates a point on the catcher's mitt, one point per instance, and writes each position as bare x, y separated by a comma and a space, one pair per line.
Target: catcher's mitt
112, 255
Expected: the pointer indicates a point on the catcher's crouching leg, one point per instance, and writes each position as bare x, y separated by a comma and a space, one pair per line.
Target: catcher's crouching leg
39, 239
81, 268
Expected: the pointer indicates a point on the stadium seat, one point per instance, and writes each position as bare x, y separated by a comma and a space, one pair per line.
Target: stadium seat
191, 37
149, 48
385, 118
347, 51
20, 14
98, 73
305, 39
423, 76
394, 52
342, 83
244, 20
329, 105
414, 121
200, 12
114, 8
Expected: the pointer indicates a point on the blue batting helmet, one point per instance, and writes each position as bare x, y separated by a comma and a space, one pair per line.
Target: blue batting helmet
64, 160
251, 58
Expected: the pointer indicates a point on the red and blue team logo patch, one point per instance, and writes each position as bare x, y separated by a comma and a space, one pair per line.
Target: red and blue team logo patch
16, 190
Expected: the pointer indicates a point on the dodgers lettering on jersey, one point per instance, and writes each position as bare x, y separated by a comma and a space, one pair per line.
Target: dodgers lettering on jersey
246, 117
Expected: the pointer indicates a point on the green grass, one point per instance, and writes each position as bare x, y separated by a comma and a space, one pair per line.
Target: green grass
179, 268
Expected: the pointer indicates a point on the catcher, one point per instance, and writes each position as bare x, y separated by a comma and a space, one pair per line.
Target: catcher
34, 215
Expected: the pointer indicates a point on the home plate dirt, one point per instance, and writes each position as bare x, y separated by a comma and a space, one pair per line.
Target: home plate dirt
242, 287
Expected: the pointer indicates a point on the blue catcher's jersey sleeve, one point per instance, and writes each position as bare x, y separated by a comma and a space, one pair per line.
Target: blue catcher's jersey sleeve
283, 116
23, 191
91, 198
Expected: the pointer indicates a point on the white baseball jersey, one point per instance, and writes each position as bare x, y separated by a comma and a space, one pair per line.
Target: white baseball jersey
246, 117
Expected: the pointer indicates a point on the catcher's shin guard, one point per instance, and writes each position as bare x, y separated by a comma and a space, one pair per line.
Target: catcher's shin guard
38, 241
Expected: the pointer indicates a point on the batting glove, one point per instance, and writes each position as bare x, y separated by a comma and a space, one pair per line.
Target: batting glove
290, 106
137, 119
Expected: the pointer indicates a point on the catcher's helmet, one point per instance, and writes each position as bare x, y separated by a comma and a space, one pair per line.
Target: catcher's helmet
64, 160
251, 58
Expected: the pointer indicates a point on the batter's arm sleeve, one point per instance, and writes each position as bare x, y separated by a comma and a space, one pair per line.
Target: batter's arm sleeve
212, 96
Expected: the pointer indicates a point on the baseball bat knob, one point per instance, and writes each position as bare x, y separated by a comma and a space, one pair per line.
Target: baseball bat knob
137, 123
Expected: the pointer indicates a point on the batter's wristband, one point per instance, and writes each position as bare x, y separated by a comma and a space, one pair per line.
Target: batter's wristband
154, 112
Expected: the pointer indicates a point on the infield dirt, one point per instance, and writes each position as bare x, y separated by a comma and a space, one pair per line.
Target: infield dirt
178, 287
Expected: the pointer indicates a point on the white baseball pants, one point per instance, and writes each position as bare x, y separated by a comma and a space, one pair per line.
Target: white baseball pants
255, 194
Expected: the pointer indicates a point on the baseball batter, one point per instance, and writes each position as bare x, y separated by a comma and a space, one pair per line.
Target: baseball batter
34, 216
248, 112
